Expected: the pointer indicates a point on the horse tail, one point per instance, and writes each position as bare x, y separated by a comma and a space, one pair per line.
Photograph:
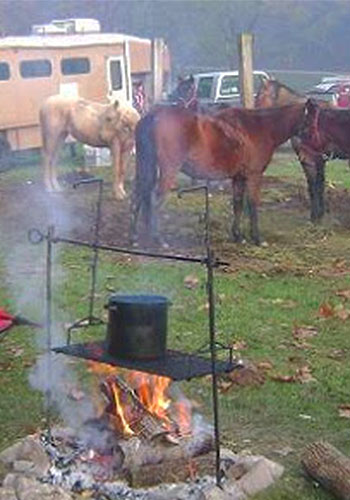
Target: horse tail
146, 164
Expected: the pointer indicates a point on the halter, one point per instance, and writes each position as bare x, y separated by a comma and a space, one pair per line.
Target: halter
189, 100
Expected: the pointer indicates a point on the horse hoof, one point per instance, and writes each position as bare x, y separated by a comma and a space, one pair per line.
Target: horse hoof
264, 244
120, 193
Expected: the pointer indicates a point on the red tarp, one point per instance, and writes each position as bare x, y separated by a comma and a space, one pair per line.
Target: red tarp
6, 320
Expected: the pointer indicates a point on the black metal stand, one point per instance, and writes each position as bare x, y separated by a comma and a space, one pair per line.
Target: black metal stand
209, 261
91, 319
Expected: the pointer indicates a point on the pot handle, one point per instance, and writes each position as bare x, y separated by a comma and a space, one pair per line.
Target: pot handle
113, 308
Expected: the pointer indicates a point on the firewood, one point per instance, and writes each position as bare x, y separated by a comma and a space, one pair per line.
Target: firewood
138, 453
172, 471
143, 423
329, 467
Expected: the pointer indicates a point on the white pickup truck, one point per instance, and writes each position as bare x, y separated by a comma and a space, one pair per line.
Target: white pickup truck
222, 87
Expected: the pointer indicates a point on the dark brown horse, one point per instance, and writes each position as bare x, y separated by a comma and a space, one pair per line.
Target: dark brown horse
275, 93
235, 143
326, 129
185, 93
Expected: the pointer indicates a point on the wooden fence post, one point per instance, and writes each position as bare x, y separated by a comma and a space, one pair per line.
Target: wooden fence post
245, 50
157, 69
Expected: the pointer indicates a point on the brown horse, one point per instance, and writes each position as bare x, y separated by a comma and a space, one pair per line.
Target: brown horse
275, 93
325, 129
99, 125
235, 143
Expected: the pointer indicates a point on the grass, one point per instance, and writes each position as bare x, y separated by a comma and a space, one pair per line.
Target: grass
264, 295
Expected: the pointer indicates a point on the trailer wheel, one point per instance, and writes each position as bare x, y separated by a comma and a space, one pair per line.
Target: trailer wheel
5, 153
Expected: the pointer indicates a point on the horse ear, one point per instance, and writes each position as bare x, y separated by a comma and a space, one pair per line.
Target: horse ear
191, 78
116, 105
310, 106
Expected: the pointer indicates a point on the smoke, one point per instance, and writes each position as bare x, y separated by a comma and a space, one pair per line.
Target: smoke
26, 279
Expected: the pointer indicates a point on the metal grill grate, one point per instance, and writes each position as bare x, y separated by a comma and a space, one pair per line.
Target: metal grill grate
175, 365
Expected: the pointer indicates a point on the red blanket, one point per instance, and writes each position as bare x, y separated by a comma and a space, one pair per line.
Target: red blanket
6, 320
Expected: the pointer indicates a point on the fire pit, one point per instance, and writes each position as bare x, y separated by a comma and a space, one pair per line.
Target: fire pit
136, 340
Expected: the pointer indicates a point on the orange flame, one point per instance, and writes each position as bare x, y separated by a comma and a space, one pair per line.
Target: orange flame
152, 391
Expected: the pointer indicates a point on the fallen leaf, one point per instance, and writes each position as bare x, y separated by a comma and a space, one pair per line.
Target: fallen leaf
339, 263
304, 376
342, 313
325, 310
224, 385
239, 345
283, 452
304, 332
265, 365
283, 378
248, 375
343, 293
344, 410
336, 354
191, 281
302, 345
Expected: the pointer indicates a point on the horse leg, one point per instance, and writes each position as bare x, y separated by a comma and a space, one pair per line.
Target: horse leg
51, 151
238, 188
253, 187
135, 207
314, 173
119, 170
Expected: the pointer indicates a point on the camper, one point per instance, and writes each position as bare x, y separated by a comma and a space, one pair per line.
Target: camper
70, 57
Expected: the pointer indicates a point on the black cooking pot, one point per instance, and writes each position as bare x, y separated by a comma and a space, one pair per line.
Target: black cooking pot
137, 326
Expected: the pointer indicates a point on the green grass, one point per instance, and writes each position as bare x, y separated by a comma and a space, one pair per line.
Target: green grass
261, 298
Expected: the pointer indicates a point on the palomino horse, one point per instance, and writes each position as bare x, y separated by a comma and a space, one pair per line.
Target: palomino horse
92, 123
235, 143
275, 93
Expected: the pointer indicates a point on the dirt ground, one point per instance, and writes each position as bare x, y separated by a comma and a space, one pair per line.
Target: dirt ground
24, 205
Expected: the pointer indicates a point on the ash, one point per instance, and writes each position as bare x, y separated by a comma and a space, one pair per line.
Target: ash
77, 468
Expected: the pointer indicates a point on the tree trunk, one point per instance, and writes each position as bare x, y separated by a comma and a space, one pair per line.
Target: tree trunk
329, 467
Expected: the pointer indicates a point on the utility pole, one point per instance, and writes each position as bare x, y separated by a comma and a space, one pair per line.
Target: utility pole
245, 51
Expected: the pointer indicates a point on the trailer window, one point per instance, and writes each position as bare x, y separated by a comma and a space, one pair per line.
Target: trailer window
116, 75
75, 66
4, 71
36, 68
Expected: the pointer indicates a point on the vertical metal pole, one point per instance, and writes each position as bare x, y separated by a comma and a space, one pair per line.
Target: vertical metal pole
212, 342
95, 251
211, 301
48, 322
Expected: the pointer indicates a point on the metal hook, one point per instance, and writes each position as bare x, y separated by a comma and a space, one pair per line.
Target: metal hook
35, 236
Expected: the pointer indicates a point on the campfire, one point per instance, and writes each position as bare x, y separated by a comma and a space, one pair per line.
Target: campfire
139, 404
144, 432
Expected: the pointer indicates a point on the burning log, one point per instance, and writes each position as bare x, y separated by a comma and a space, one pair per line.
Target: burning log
138, 454
329, 467
142, 423
172, 471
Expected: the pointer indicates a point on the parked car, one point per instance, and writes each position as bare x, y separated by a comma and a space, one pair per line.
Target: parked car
335, 89
223, 87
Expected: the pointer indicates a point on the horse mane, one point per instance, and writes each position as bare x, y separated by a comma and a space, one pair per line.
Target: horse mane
232, 114
279, 85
